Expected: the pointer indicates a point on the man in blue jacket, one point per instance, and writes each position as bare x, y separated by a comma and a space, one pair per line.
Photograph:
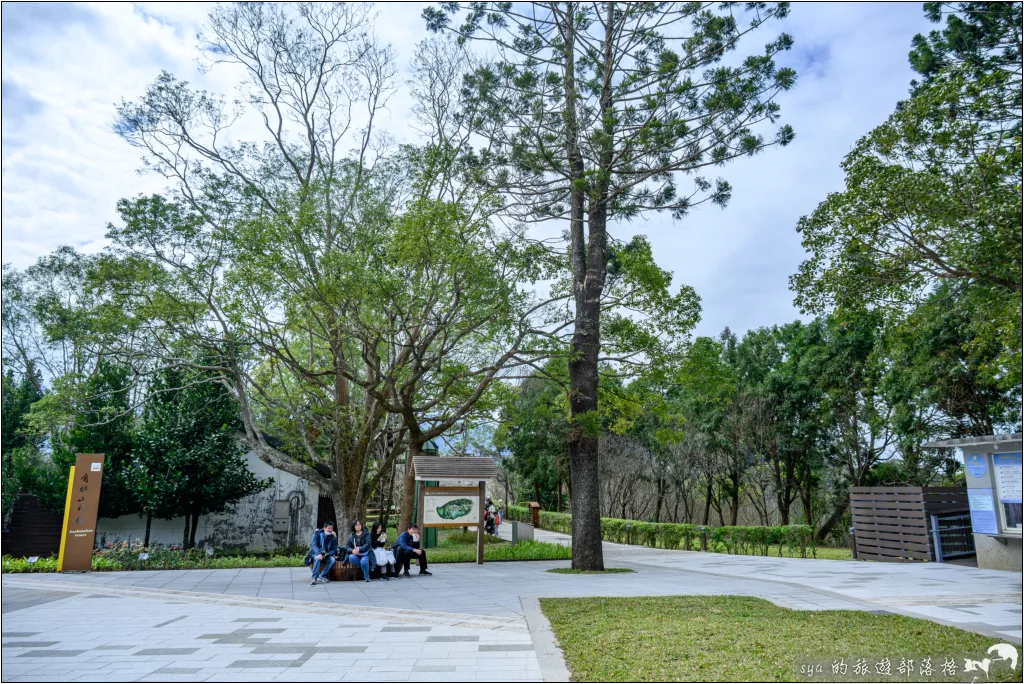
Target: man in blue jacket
323, 546
407, 547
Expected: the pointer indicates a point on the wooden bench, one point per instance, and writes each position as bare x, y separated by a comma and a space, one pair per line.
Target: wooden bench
342, 571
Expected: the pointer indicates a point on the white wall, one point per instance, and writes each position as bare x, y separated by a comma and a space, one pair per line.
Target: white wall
249, 526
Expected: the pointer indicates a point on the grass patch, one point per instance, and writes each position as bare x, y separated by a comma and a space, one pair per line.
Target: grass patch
523, 551
460, 537
735, 638
827, 553
450, 550
573, 571
160, 560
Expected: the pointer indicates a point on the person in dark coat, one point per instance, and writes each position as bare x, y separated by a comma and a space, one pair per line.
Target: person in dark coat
323, 546
407, 547
357, 549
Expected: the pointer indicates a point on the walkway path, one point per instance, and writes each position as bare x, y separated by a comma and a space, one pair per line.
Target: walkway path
464, 623
75, 630
984, 601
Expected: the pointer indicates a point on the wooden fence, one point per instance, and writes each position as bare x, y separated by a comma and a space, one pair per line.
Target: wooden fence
32, 530
895, 523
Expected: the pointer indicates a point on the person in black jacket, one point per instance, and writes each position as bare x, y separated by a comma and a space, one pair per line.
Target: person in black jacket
322, 548
407, 547
357, 549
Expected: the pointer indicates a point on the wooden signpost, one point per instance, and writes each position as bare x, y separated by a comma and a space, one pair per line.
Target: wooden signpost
80, 512
453, 506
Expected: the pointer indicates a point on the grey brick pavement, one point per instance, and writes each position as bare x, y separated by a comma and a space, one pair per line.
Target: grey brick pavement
464, 623
117, 638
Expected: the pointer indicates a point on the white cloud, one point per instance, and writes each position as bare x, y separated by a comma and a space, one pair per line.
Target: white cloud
66, 66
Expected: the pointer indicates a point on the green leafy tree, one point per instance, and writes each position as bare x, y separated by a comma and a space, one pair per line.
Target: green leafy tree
982, 38
940, 377
18, 397
18, 435
590, 112
705, 389
103, 422
534, 429
244, 260
187, 459
933, 195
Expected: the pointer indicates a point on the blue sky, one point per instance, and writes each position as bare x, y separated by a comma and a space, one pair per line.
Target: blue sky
65, 66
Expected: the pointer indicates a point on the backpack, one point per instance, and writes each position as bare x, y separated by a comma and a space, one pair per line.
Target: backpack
308, 560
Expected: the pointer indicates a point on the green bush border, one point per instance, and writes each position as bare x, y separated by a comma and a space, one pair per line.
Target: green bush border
736, 539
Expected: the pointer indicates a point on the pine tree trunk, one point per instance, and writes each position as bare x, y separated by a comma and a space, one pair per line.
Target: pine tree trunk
587, 553
188, 528
149, 525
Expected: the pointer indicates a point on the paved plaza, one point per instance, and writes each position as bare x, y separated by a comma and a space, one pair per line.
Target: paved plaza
464, 623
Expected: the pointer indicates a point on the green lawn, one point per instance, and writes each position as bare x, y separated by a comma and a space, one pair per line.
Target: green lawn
733, 638
825, 552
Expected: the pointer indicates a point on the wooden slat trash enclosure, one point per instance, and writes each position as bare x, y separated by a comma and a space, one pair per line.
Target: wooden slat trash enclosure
900, 524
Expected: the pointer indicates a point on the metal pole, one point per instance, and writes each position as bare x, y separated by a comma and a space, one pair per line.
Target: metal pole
936, 538
480, 526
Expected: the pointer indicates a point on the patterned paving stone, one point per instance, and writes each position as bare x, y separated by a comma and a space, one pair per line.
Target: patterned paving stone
405, 629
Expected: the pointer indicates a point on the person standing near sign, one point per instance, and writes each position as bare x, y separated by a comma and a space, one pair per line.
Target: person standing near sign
407, 547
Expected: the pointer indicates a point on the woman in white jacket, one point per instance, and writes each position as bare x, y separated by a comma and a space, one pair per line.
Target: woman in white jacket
381, 557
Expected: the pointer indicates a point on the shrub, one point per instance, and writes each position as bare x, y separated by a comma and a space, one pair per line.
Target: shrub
519, 513
48, 564
731, 539
460, 537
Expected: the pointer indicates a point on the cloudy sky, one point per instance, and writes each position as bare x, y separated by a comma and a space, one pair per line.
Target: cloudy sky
66, 66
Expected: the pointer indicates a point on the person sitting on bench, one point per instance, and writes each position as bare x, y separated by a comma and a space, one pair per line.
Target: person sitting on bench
381, 556
406, 547
357, 549
322, 548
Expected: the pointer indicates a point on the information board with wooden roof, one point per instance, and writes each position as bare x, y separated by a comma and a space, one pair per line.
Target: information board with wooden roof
453, 468
453, 506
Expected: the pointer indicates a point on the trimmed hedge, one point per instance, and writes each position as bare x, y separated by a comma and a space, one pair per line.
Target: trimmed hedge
753, 540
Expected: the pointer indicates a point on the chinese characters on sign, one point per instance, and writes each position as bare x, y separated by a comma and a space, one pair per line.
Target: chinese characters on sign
983, 511
81, 509
1008, 484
